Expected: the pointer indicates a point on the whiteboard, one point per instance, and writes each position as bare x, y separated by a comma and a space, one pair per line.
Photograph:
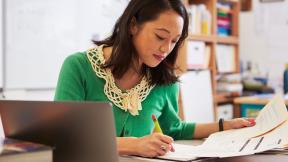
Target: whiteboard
41, 33
197, 99
1, 45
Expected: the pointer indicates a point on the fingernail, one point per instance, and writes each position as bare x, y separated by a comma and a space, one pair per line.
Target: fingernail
172, 148
252, 120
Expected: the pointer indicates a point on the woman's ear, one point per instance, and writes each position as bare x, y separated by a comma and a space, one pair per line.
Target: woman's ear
133, 26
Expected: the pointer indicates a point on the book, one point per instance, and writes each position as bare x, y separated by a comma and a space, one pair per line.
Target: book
229, 87
199, 19
12, 150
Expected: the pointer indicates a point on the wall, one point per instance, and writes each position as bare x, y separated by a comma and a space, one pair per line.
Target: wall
264, 37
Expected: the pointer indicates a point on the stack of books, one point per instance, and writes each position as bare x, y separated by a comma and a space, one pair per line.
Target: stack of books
12, 150
230, 83
224, 23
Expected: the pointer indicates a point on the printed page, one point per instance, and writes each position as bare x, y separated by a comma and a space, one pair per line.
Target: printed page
271, 116
182, 153
269, 132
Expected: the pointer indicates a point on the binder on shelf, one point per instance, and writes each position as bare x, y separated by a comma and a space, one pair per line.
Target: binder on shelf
196, 96
225, 58
198, 55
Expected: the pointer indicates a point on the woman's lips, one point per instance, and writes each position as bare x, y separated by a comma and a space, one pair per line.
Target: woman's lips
159, 57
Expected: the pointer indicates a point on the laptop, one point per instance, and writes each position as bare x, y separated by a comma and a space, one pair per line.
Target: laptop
77, 131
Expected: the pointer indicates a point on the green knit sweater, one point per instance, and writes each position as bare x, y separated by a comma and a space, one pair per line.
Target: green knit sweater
78, 82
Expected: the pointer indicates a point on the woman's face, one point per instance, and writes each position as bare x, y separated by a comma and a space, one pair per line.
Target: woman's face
154, 40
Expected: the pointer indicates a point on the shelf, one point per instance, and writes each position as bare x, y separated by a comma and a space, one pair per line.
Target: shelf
225, 97
255, 100
212, 41
227, 73
222, 98
212, 38
204, 38
228, 40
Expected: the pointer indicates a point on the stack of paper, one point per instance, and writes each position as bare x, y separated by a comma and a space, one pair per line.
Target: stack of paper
269, 132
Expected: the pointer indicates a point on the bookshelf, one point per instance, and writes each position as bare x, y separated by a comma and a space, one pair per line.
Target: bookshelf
212, 40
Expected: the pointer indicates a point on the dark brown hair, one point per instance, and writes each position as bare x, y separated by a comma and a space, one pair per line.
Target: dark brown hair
124, 52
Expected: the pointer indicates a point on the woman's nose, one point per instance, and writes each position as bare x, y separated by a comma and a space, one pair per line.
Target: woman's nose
165, 48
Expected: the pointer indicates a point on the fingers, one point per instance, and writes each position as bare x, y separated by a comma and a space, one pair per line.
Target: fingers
172, 149
165, 142
162, 150
242, 122
247, 122
159, 151
166, 139
162, 146
252, 121
155, 144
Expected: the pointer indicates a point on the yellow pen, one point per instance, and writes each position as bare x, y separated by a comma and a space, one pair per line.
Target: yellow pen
157, 127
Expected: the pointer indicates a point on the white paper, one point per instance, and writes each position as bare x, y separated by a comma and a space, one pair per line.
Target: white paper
269, 132
182, 153
271, 116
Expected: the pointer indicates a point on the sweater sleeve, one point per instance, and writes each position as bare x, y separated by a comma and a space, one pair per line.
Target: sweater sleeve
170, 122
71, 81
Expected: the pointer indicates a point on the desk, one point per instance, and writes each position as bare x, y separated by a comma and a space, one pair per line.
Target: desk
250, 158
250, 106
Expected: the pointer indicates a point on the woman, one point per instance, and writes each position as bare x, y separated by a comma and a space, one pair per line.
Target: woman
134, 70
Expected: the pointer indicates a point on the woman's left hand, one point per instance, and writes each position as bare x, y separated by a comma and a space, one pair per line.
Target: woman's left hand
238, 123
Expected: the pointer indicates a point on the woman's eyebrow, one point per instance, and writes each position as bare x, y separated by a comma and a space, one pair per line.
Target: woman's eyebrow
162, 29
167, 31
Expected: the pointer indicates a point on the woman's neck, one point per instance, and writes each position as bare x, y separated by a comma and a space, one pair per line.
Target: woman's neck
131, 77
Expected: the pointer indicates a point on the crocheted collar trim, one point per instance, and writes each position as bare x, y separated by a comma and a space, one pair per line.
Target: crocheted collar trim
131, 99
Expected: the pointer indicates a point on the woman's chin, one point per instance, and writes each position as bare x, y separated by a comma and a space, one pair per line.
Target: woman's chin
153, 65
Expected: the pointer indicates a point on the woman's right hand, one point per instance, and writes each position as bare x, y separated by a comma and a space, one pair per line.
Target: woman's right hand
154, 145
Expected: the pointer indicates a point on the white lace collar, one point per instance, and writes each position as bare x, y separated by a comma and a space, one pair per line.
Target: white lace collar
129, 100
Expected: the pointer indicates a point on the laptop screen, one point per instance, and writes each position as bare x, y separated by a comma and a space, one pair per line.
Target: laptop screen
77, 131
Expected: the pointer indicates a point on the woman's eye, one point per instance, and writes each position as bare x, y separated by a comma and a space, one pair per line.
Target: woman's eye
160, 38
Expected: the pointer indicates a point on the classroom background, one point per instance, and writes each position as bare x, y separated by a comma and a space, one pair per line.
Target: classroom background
235, 48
